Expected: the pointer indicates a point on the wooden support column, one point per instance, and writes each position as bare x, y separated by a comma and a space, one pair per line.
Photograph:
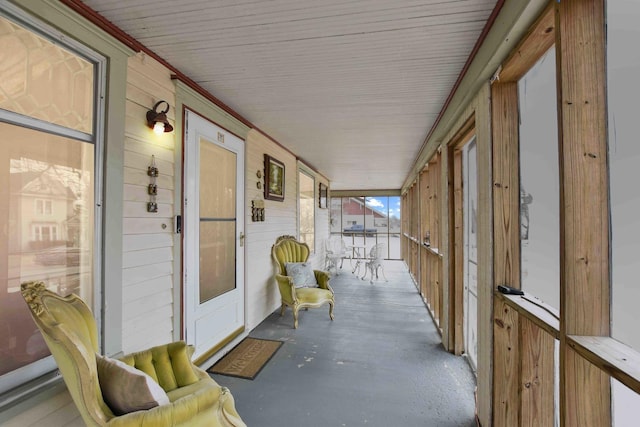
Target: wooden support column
506, 257
506, 184
446, 244
456, 284
506, 374
585, 394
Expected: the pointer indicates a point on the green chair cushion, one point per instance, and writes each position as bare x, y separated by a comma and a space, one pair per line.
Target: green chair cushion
169, 365
313, 295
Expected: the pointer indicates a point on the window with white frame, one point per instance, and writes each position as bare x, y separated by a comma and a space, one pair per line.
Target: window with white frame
306, 208
49, 85
45, 232
44, 207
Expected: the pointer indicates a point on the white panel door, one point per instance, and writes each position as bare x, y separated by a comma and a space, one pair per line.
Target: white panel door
213, 226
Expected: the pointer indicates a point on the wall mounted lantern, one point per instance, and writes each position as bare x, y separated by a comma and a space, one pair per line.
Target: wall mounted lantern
157, 120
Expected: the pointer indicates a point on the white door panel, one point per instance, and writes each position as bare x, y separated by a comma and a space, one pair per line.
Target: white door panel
213, 225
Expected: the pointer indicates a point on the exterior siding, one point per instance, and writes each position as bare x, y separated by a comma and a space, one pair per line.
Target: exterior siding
280, 218
147, 249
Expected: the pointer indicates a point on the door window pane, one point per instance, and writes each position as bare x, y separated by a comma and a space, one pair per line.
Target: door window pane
217, 258
217, 181
217, 220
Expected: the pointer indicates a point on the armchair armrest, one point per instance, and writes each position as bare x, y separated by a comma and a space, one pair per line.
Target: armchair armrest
287, 289
322, 277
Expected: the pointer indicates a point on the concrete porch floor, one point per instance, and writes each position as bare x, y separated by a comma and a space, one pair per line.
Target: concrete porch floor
379, 363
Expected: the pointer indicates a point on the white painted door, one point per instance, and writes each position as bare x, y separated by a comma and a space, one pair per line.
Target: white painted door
470, 185
213, 227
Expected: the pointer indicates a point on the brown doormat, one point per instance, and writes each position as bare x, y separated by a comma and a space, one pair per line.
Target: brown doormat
247, 359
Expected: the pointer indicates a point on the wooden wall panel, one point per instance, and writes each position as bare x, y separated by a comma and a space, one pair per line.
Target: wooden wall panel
537, 372
506, 373
584, 235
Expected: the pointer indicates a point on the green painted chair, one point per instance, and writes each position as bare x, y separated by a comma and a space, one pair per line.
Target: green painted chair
288, 250
189, 396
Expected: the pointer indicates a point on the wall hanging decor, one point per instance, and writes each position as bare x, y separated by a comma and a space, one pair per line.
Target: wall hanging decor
273, 179
257, 210
322, 196
152, 189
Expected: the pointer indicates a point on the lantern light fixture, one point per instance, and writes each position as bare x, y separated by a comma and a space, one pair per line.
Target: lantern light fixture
157, 120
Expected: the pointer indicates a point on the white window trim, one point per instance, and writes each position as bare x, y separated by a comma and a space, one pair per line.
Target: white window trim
23, 381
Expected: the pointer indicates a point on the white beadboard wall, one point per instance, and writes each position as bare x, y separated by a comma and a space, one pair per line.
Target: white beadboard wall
280, 218
147, 246
263, 296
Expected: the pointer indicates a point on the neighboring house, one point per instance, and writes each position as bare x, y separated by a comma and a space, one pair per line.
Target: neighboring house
355, 212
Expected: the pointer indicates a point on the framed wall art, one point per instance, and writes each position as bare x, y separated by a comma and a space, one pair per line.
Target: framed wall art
322, 196
273, 179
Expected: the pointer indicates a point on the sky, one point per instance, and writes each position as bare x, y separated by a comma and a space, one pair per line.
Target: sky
380, 204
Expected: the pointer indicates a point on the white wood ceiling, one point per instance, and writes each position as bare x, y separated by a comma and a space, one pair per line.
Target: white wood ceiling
352, 87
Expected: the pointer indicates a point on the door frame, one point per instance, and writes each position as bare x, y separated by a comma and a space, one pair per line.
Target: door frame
456, 232
181, 311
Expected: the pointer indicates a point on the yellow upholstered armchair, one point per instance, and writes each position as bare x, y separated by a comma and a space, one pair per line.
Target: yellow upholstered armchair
287, 250
182, 394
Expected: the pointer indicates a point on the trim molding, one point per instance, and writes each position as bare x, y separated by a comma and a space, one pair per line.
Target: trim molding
207, 355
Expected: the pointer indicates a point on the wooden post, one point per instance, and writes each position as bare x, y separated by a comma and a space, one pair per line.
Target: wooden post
506, 374
506, 185
457, 276
585, 391
506, 257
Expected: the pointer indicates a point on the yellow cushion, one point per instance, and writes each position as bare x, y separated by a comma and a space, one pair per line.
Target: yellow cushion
313, 295
169, 365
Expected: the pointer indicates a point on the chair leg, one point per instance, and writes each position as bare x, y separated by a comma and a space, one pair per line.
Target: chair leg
282, 308
366, 270
383, 275
295, 317
331, 309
